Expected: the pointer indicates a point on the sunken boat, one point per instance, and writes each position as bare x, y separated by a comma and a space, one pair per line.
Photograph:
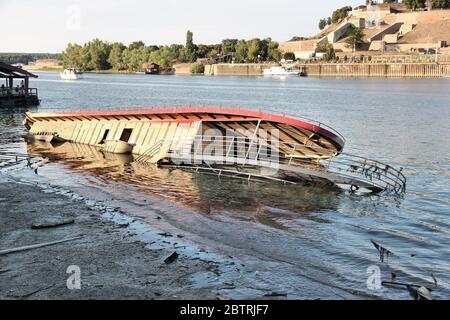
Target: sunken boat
248, 144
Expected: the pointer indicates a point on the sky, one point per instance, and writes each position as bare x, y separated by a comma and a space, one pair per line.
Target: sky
49, 25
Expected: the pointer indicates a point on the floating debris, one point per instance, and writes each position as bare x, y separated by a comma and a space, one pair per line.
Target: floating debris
424, 294
434, 280
383, 251
417, 292
39, 245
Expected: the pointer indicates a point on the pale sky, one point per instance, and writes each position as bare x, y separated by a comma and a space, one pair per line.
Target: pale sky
48, 25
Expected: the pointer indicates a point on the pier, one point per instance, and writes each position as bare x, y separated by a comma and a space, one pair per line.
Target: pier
17, 94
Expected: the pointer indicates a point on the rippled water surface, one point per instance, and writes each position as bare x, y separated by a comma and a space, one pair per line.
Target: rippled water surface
298, 231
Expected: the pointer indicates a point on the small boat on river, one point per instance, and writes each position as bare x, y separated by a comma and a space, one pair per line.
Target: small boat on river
71, 74
249, 144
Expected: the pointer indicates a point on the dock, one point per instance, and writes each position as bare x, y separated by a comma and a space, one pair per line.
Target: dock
19, 93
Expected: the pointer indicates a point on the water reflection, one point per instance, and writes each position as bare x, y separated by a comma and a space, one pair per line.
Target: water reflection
269, 203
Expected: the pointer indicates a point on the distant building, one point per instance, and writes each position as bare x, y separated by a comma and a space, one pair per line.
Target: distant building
303, 49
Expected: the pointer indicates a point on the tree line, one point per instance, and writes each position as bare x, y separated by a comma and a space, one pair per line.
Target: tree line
102, 55
25, 58
337, 16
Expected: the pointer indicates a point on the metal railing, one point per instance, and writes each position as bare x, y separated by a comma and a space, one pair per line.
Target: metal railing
150, 152
9, 159
340, 168
18, 92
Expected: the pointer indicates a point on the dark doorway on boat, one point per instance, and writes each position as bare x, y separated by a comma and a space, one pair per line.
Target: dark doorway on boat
126, 134
104, 136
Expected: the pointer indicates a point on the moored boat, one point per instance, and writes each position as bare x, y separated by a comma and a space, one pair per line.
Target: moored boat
280, 71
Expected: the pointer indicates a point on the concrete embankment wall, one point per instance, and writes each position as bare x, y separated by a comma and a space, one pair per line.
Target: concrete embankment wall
236, 69
182, 68
415, 70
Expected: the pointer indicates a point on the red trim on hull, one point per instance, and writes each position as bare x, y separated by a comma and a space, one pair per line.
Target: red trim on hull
252, 115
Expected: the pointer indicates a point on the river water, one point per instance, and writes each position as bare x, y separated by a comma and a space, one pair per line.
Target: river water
289, 233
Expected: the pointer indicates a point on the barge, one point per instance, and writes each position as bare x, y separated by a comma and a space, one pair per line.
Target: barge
248, 144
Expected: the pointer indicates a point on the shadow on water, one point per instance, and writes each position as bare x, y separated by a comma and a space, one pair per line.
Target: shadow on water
270, 204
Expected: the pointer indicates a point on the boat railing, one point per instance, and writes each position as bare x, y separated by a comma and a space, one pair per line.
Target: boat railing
13, 92
272, 153
150, 152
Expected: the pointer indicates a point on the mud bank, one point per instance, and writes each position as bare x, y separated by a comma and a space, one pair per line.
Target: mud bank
114, 263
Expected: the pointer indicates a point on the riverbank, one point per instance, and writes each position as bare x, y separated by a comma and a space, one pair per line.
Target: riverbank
114, 262
347, 70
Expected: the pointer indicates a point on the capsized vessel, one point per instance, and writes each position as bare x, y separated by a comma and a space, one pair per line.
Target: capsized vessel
249, 144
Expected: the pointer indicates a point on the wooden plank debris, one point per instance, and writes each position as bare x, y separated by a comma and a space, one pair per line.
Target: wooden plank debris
35, 246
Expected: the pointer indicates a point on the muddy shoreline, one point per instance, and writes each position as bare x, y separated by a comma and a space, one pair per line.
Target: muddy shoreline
114, 264
120, 255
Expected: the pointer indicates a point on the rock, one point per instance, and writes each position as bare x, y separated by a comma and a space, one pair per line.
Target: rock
171, 258
52, 224
165, 234
276, 294
123, 224
424, 294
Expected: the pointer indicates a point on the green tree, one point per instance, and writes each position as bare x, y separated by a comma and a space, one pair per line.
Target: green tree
166, 55
253, 50
329, 22
340, 14
241, 51
414, 4
289, 56
355, 39
115, 58
190, 47
96, 53
273, 53
322, 24
71, 57
441, 4
136, 45
203, 51
328, 50
229, 46
135, 57
197, 68
213, 53
297, 38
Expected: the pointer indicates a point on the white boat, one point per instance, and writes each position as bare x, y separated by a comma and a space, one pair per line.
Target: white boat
71, 74
280, 71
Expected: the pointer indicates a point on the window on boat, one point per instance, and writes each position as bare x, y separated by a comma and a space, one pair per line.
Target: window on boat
104, 136
126, 134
